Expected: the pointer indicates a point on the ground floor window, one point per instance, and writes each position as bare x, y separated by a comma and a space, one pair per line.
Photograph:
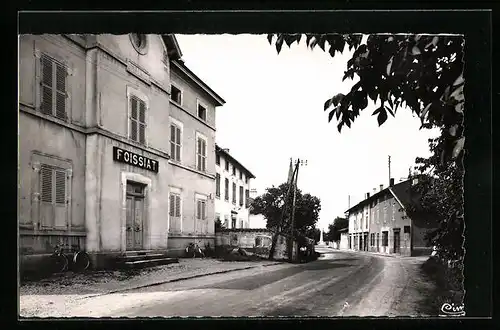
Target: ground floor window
201, 209
372, 239
233, 222
226, 220
378, 240
385, 238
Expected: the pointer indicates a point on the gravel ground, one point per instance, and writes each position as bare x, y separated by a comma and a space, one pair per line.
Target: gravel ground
61, 292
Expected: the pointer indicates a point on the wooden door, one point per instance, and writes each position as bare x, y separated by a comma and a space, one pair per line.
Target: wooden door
134, 217
138, 222
397, 242
130, 223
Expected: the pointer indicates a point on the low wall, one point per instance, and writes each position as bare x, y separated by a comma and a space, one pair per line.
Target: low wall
257, 241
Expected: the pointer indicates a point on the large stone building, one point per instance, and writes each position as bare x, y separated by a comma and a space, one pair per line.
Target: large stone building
382, 222
116, 146
232, 190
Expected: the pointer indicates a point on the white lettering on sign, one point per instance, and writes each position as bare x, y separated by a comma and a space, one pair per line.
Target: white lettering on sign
134, 159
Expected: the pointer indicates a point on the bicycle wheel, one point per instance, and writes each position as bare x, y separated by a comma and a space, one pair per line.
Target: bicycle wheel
59, 263
81, 261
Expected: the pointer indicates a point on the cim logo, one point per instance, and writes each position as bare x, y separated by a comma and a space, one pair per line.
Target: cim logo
452, 310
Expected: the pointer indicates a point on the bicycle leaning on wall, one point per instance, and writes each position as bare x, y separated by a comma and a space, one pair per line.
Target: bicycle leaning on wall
193, 250
78, 260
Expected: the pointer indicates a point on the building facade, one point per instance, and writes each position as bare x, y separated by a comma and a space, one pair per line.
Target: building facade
102, 165
390, 229
232, 190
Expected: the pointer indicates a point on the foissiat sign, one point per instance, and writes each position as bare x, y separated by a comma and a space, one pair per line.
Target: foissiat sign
128, 157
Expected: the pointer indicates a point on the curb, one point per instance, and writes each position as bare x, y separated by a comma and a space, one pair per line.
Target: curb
179, 279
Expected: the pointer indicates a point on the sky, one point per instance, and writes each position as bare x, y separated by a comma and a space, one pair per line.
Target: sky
274, 112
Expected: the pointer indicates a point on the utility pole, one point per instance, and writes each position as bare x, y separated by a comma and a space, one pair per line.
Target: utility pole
389, 171
294, 182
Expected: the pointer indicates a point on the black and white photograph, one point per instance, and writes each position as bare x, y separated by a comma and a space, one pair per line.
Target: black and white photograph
241, 175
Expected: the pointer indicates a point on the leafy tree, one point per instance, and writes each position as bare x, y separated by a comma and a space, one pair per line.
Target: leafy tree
420, 73
273, 204
333, 233
219, 225
440, 190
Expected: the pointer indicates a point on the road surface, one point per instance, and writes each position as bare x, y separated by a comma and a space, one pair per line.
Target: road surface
338, 284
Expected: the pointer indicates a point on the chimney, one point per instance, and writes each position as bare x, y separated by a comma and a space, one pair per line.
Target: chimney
374, 191
381, 187
391, 182
226, 150
367, 195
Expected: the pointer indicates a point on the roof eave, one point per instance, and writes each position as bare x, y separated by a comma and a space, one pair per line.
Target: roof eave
222, 151
173, 48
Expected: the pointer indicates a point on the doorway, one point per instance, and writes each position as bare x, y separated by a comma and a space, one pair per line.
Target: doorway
135, 216
397, 240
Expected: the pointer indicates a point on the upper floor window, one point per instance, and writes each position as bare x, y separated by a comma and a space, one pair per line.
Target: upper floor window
175, 141
217, 159
201, 153
175, 94
53, 87
227, 165
241, 195
234, 193
246, 179
241, 175
234, 170
202, 112
247, 197
226, 189
217, 185
137, 119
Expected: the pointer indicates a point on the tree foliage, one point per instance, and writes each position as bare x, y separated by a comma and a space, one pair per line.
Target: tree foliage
271, 204
423, 73
219, 225
441, 189
333, 233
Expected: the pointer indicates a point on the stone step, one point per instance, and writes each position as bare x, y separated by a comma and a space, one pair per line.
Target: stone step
150, 262
139, 252
143, 257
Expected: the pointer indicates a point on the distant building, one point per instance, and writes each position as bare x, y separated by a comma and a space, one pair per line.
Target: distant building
381, 223
256, 220
232, 190
344, 239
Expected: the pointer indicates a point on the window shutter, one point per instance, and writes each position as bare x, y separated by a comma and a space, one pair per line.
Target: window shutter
142, 122
177, 206
46, 85
198, 209
133, 118
203, 210
178, 135
172, 142
60, 187
61, 74
178, 144
46, 184
172, 205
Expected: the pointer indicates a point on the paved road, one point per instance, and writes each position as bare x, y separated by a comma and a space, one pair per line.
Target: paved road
338, 284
